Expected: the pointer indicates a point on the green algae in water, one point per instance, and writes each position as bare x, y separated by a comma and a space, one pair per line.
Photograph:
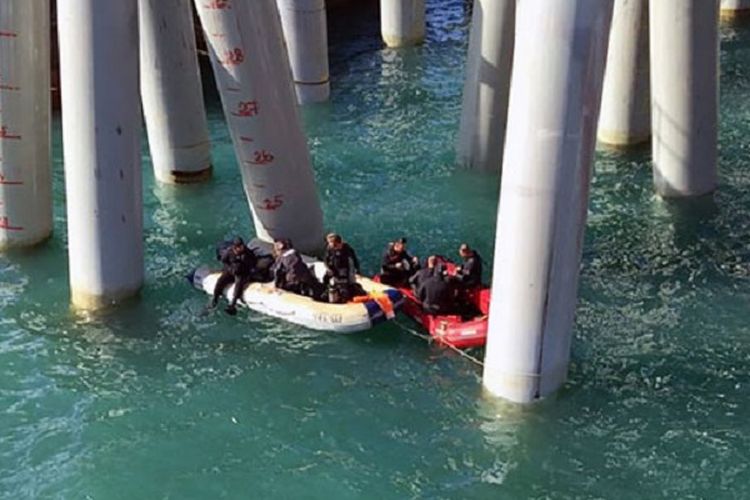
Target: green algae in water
154, 401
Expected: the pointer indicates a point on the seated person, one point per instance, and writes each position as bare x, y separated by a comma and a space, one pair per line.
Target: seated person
238, 266
437, 294
343, 267
291, 273
469, 274
419, 277
397, 265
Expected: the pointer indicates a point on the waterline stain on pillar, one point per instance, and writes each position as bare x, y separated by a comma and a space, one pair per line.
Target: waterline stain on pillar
402, 22
172, 92
625, 118
685, 96
558, 71
306, 34
101, 124
732, 10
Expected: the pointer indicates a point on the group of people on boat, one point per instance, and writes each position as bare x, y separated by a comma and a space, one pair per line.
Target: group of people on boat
439, 291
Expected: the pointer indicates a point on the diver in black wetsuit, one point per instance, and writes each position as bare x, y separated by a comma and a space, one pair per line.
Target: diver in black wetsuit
434, 266
397, 265
343, 267
469, 274
292, 274
238, 267
437, 294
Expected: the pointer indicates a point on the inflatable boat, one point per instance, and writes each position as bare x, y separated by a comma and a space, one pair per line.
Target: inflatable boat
460, 331
378, 306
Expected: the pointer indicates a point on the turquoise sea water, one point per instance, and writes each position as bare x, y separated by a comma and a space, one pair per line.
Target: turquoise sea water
155, 401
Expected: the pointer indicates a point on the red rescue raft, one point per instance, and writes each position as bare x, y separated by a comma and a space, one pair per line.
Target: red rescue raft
454, 330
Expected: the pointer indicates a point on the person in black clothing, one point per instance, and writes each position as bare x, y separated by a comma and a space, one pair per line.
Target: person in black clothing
238, 267
397, 265
419, 277
469, 275
343, 267
437, 294
292, 274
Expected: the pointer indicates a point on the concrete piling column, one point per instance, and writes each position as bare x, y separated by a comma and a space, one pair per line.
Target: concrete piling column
306, 34
25, 173
172, 92
558, 69
253, 77
685, 95
101, 140
733, 9
402, 22
487, 85
625, 117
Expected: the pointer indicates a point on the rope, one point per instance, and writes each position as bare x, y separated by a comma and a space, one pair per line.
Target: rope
455, 349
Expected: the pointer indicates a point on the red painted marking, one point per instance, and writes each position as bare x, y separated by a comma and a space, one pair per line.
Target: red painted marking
246, 109
4, 134
218, 5
5, 182
272, 203
8, 34
261, 157
233, 57
5, 224
246, 139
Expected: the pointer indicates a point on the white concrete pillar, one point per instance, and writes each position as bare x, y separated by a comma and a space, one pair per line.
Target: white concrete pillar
172, 92
732, 9
306, 34
25, 173
487, 85
685, 95
558, 69
625, 117
101, 142
402, 22
252, 72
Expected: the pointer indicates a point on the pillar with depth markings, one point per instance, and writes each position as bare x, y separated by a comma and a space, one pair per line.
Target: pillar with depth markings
101, 121
487, 84
558, 68
172, 92
733, 9
402, 22
252, 72
684, 96
306, 34
625, 118
25, 145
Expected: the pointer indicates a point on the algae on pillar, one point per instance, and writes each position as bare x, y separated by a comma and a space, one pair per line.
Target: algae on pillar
101, 124
487, 85
684, 95
733, 9
306, 34
172, 92
625, 118
25, 170
402, 22
558, 69
252, 73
